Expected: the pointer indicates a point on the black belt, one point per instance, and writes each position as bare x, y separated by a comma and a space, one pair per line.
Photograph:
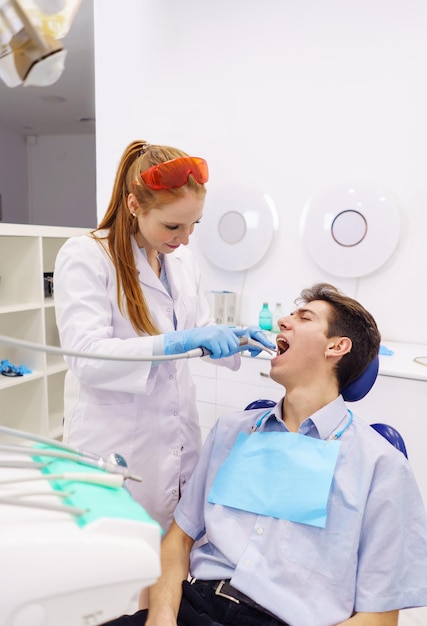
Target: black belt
223, 589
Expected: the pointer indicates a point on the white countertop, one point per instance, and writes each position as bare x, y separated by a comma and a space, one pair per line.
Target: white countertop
401, 363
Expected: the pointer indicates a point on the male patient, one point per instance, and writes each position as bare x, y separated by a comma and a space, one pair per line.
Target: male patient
301, 515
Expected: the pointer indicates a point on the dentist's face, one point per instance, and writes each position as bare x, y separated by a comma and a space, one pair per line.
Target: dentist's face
166, 227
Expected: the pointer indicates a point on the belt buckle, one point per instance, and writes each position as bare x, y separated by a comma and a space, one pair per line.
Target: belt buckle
218, 592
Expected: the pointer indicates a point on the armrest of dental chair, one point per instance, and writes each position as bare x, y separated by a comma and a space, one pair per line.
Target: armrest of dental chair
262, 403
392, 435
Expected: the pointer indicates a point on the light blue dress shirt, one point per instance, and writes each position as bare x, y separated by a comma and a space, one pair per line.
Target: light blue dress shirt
370, 557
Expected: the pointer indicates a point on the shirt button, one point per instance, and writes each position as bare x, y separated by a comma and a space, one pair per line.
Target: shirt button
174, 492
247, 562
260, 531
176, 452
168, 310
171, 377
175, 413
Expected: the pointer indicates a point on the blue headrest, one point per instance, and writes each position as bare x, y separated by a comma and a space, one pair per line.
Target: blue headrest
360, 387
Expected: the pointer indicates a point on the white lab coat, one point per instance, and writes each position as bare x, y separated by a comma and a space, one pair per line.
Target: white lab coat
142, 410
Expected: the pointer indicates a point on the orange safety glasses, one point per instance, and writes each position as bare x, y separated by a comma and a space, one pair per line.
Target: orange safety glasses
174, 173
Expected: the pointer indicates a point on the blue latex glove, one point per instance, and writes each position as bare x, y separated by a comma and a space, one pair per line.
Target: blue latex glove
221, 341
254, 332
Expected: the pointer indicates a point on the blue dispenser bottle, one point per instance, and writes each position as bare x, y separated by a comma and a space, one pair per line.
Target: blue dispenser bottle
265, 320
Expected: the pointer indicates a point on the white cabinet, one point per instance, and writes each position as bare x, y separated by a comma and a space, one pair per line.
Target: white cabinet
399, 398
33, 402
235, 390
219, 390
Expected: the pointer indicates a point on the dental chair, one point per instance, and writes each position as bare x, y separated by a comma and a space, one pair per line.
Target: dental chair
353, 392
76, 548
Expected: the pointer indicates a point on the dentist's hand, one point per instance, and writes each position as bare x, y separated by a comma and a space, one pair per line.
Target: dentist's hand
254, 332
221, 341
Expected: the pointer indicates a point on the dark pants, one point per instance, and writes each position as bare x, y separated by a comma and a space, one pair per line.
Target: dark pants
201, 607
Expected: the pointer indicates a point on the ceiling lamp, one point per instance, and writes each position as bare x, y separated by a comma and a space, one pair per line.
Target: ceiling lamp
30, 53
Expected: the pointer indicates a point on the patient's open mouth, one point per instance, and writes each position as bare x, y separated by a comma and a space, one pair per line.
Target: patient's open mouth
282, 345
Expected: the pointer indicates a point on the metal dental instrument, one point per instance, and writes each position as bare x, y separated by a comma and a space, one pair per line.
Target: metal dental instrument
74, 454
57, 454
105, 480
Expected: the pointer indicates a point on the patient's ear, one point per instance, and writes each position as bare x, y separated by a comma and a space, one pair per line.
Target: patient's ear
339, 346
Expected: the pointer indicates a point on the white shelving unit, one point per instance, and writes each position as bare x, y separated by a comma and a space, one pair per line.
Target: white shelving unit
33, 402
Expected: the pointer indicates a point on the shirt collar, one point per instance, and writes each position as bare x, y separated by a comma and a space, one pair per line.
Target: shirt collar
325, 421
330, 418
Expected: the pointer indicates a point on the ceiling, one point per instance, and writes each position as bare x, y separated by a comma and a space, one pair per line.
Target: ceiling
41, 110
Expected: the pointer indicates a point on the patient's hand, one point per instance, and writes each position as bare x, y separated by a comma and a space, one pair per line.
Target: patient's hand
143, 599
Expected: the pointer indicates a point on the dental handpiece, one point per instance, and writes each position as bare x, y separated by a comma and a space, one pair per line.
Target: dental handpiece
248, 341
245, 342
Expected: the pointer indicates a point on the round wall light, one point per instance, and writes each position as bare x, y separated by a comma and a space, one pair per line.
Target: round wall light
351, 230
237, 227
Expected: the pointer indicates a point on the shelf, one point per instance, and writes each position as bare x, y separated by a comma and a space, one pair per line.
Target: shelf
21, 306
33, 402
24, 326
25, 407
56, 367
20, 278
13, 381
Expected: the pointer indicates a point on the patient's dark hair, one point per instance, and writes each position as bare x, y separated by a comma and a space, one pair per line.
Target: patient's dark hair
348, 318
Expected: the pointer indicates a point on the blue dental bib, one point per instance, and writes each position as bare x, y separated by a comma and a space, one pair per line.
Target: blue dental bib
278, 474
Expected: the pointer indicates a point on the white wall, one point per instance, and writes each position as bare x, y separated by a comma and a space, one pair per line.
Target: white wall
48, 180
62, 180
287, 96
13, 177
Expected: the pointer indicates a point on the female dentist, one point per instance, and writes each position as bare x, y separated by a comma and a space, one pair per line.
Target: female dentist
132, 288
